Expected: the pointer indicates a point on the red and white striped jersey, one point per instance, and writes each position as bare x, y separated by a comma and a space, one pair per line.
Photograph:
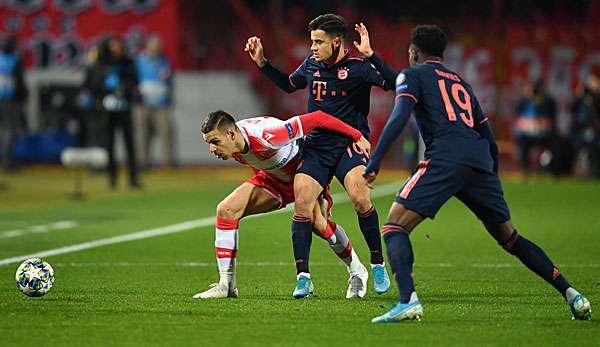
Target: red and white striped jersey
273, 145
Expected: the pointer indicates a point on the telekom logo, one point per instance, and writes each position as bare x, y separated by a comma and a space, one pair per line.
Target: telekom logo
319, 88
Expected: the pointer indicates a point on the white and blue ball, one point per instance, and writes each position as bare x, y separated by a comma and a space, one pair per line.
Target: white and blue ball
34, 277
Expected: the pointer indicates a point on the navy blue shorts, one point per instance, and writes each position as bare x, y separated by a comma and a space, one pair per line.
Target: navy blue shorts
436, 181
352, 157
324, 162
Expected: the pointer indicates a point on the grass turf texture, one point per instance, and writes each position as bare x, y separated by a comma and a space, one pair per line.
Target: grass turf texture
139, 292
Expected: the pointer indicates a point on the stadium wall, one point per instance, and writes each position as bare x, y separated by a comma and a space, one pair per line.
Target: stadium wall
196, 94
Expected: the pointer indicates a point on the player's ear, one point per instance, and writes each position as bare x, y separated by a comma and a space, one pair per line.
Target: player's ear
415, 54
231, 133
337, 41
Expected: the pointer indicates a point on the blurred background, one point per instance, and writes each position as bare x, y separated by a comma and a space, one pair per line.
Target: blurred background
533, 65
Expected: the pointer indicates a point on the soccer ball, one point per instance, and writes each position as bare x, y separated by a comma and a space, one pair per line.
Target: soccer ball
34, 277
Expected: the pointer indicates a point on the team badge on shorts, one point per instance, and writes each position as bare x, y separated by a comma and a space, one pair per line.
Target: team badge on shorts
343, 73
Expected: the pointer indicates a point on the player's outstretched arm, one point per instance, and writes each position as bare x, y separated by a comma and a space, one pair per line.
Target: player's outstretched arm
299, 126
403, 107
287, 83
364, 47
323, 120
485, 130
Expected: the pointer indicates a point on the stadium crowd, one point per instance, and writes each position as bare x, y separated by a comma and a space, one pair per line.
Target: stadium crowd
135, 94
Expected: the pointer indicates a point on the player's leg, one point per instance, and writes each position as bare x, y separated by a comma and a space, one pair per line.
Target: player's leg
340, 244
313, 175
306, 192
396, 232
245, 200
430, 186
483, 195
536, 260
368, 220
349, 172
334, 234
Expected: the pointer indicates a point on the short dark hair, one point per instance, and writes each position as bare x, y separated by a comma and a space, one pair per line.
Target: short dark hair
429, 39
330, 23
217, 120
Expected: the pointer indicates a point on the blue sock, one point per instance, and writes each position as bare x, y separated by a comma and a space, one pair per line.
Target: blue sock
369, 226
536, 260
301, 240
400, 258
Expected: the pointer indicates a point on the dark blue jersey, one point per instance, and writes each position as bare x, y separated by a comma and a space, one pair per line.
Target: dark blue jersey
448, 114
342, 90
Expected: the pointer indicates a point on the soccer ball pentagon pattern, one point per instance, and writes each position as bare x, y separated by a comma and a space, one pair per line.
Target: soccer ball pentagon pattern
34, 277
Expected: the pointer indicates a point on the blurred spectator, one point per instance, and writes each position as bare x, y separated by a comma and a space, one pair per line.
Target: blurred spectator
156, 91
535, 125
12, 97
586, 127
112, 82
92, 127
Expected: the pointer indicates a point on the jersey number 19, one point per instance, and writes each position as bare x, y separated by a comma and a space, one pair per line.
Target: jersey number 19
461, 98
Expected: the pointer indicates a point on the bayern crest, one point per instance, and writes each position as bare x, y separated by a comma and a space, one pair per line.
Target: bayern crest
343, 73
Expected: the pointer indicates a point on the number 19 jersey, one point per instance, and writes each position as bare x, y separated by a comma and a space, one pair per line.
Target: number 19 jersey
446, 112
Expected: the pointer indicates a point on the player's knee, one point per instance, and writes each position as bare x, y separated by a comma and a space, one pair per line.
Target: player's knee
303, 202
304, 205
225, 210
502, 232
509, 243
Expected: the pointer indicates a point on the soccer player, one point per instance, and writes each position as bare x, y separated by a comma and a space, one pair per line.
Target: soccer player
461, 160
271, 147
339, 85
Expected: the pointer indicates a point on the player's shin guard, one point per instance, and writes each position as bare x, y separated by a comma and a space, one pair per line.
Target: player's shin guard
536, 260
301, 240
400, 258
369, 226
226, 245
340, 244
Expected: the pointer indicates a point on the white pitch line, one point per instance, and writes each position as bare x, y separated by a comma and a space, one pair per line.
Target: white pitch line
341, 198
60, 225
290, 263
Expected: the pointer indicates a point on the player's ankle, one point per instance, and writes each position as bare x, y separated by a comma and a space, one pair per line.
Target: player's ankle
413, 297
570, 294
305, 274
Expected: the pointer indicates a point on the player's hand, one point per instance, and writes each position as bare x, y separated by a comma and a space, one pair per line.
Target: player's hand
364, 47
255, 50
364, 145
370, 178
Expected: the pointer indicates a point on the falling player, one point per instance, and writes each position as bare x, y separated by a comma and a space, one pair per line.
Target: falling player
340, 85
461, 160
271, 148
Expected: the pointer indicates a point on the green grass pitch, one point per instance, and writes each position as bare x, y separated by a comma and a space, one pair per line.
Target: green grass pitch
139, 292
